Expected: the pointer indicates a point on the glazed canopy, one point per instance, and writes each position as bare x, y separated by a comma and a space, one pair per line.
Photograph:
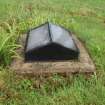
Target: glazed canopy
50, 42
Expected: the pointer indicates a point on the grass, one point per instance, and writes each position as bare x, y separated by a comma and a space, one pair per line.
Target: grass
85, 19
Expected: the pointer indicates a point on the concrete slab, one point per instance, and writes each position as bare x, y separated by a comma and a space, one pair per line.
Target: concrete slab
84, 65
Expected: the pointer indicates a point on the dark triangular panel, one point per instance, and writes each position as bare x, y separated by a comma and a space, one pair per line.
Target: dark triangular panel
51, 52
50, 42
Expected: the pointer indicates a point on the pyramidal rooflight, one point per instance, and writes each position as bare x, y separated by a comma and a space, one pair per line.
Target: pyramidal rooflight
50, 42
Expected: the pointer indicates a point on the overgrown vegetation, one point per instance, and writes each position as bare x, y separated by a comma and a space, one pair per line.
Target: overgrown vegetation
85, 19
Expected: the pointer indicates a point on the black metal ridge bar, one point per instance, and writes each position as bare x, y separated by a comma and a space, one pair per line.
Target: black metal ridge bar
49, 29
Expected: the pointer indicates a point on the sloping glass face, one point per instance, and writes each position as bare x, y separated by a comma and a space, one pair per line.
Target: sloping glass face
50, 42
61, 36
38, 37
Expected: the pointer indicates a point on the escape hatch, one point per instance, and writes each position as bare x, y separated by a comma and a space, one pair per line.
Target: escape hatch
50, 42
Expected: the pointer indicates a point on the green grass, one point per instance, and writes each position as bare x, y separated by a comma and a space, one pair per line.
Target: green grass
85, 18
